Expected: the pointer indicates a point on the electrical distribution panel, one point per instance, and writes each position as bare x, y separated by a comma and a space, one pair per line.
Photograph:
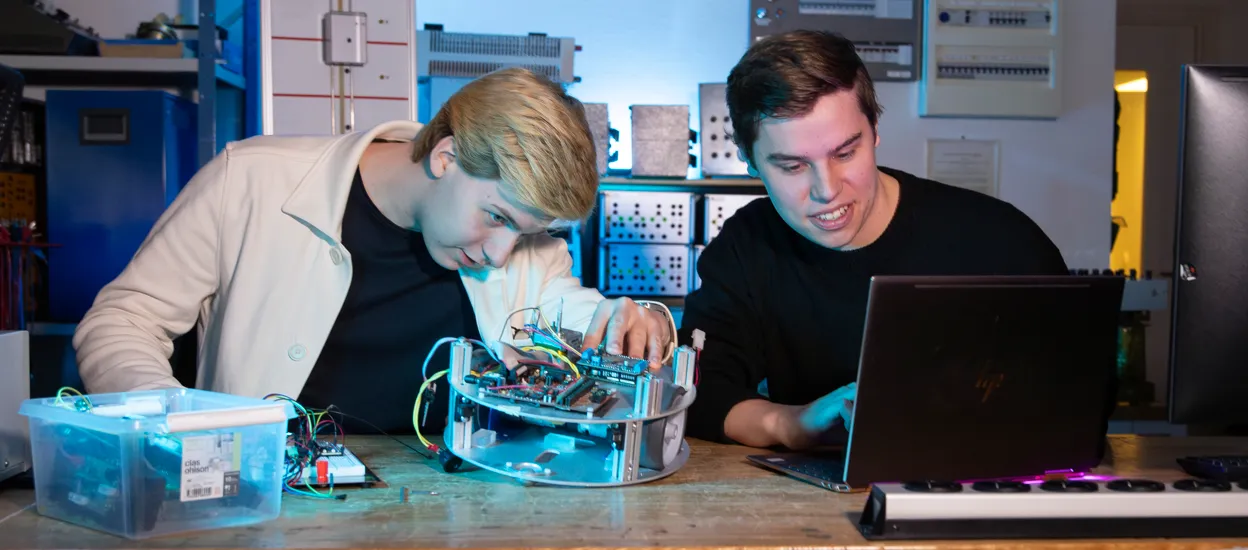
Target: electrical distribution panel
645, 270
719, 152
646, 217
718, 208
885, 32
446, 61
992, 58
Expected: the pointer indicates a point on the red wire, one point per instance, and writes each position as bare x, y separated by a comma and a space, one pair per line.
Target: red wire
8, 289
697, 365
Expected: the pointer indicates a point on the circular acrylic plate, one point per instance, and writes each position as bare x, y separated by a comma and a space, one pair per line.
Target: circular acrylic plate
526, 456
621, 411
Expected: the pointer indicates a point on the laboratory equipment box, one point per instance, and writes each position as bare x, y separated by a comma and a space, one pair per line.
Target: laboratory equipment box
158, 462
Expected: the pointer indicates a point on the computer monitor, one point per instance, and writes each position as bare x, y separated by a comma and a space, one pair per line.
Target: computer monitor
1209, 301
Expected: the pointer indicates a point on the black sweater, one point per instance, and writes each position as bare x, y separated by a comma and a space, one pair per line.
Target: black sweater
777, 307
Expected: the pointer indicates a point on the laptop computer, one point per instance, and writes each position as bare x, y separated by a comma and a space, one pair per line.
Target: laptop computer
975, 377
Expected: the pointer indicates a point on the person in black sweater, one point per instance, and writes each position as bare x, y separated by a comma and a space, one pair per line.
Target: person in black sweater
784, 285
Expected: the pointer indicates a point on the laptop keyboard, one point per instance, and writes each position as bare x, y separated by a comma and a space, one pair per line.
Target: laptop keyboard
826, 469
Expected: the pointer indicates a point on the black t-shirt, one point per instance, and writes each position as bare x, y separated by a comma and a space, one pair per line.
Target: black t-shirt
399, 304
780, 308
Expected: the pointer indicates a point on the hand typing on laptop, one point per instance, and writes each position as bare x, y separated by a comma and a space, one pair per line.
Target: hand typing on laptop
836, 408
761, 423
806, 426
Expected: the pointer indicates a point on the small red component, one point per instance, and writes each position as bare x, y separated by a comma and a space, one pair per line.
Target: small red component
322, 471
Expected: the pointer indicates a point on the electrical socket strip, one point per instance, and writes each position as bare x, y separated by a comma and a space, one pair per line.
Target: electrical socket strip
1134, 508
644, 270
716, 209
646, 217
1114, 499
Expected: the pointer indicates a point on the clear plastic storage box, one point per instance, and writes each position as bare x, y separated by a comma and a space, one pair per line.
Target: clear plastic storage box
148, 463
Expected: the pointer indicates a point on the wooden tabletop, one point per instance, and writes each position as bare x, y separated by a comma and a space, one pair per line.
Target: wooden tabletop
717, 500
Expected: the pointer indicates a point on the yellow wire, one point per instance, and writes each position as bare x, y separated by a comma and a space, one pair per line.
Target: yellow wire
556, 354
67, 389
416, 408
70, 390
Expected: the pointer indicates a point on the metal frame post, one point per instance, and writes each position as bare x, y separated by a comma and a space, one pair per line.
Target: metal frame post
206, 125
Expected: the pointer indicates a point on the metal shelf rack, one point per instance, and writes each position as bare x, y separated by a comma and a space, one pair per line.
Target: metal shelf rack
224, 96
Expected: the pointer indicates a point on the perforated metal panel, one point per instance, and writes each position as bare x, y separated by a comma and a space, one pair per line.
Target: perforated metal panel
719, 153
468, 55
646, 217
716, 209
645, 270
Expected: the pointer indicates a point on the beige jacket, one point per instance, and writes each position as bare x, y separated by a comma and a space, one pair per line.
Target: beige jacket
250, 250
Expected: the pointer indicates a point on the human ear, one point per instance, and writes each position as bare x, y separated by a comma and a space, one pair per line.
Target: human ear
876, 130
442, 156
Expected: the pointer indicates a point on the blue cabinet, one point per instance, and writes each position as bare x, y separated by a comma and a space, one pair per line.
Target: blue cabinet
116, 160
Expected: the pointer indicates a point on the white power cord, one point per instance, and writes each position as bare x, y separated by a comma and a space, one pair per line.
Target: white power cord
671, 322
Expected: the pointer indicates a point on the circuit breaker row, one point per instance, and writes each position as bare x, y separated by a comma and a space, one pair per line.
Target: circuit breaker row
647, 240
973, 58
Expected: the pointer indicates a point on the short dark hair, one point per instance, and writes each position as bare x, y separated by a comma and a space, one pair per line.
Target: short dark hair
784, 75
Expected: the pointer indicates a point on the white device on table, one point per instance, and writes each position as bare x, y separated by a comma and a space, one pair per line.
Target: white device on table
14, 390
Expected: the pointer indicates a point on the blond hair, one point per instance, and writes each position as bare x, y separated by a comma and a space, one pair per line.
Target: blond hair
520, 128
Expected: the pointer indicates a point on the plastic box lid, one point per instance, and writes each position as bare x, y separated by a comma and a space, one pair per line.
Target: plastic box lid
170, 410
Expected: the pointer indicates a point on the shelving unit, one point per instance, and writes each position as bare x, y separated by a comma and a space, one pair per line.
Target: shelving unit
221, 111
220, 92
707, 185
69, 70
588, 246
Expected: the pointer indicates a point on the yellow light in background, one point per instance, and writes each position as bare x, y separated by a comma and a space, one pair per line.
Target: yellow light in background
1137, 85
1128, 208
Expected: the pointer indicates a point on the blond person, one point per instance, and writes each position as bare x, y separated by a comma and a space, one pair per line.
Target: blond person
325, 268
